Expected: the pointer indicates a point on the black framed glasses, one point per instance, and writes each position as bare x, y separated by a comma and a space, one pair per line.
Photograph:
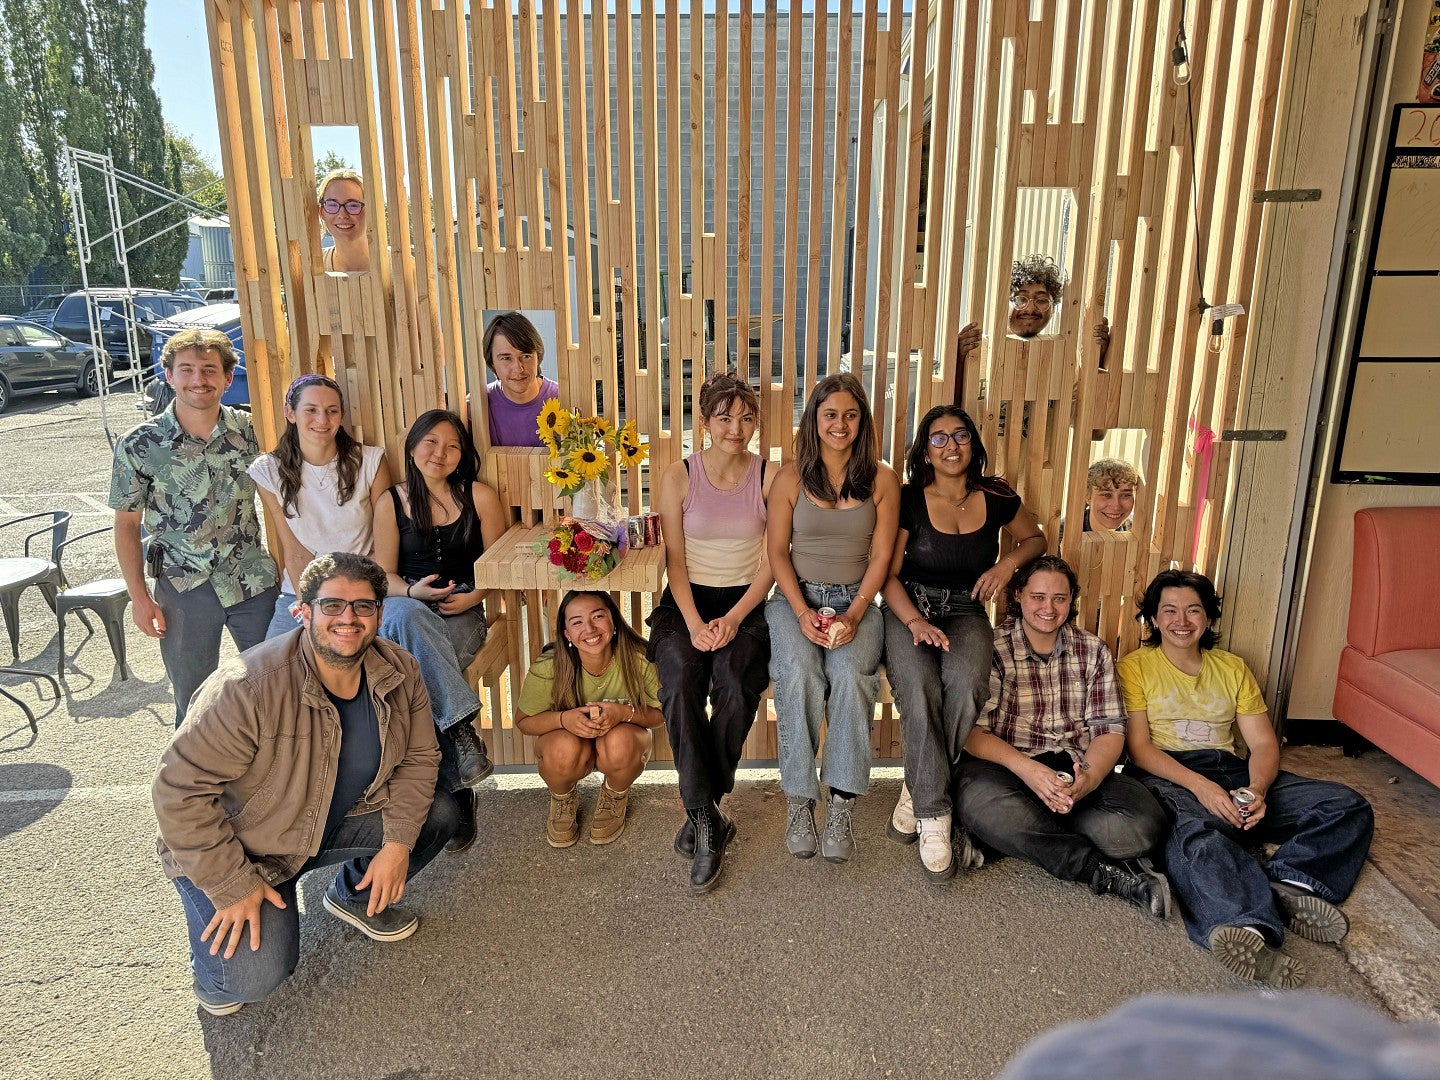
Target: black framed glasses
332, 206
938, 439
332, 606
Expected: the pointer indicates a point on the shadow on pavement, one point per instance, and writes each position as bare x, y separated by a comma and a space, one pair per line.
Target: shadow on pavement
28, 793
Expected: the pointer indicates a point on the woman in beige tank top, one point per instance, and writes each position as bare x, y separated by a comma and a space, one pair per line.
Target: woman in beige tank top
830, 531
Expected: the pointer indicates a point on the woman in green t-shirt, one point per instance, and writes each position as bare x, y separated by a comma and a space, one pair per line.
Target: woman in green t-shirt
590, 700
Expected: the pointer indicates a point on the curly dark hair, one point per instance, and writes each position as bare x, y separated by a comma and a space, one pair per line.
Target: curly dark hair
1037, 269
343, 564
1148, 606
1055, 565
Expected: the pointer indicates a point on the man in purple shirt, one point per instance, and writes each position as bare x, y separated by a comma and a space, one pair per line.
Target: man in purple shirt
513, 350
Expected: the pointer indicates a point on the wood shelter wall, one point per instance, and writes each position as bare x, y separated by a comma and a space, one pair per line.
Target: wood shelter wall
492, 152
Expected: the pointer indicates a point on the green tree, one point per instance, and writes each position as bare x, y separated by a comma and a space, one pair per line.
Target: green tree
21, 240
199, 178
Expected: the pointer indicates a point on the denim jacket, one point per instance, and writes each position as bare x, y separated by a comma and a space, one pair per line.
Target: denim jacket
243, 789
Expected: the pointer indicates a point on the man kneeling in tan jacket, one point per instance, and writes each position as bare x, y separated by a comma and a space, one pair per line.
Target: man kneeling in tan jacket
311, 749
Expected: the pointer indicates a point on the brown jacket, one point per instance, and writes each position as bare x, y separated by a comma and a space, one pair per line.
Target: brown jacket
245, 785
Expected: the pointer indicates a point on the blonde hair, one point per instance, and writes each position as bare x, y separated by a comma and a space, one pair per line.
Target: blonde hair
333, 175
1111, 472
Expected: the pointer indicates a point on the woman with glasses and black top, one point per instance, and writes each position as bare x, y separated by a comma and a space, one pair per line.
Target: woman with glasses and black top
428, 534
938, 638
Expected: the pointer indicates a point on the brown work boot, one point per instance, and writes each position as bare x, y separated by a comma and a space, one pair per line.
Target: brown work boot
561, 828
609, 820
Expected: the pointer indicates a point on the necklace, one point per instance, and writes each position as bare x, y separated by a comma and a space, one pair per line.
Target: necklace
963, 500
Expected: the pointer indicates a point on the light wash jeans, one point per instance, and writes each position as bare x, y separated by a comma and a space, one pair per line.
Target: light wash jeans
282, 622
815, 685
444, 646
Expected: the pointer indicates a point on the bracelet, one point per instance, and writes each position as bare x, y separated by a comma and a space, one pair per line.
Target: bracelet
912, 622
408, 588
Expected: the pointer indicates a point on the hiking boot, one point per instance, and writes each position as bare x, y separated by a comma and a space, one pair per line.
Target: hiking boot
902, 828
216, 1008
968, 855
1136, 882
936, 854
561, 828
838, 842
1309, 915
685, 838
392, 924
472, 759
713, 832
608, 821
465, 831
1243, 952
800, 837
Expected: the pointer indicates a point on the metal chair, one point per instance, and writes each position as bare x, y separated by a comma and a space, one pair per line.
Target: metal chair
107, 597
19, 572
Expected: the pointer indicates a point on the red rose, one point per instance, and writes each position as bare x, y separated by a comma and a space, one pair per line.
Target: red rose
584, 541
574, 562
554, 544
557, 559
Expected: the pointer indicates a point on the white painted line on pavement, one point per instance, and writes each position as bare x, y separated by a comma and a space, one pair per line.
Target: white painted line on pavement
113, 793
90, 500
8, 511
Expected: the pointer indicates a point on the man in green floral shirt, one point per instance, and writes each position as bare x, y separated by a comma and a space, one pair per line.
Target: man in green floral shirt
182, 476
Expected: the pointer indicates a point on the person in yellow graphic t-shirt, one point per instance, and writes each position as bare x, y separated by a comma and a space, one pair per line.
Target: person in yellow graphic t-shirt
1187, 701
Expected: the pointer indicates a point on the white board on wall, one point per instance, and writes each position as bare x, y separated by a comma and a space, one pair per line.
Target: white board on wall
1392, 426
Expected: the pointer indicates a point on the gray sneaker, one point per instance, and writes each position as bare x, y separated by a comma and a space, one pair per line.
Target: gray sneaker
215, 1008
800, 839
838, 843
392, 924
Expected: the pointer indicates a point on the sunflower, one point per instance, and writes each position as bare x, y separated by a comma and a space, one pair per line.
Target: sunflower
628, 435
554, 422
603, 429
565, 479
632, 453
588, 463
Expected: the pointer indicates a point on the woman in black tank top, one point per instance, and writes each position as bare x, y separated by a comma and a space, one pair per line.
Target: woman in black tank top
428, 534
938, 638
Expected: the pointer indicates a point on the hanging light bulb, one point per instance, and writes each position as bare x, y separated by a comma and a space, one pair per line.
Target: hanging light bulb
1180, 58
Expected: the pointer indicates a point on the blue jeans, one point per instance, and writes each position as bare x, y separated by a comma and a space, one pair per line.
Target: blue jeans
444, 646
815, 685
1323, 830
282, 622
194, 621
252, 976
939, 695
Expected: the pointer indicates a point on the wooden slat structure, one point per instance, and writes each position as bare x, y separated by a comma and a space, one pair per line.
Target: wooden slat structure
786, 192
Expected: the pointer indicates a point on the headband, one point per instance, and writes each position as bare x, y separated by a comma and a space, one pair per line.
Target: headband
313, 379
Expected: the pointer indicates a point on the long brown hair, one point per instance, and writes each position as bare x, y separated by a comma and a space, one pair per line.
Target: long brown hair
290, 462
565, 691
864, 451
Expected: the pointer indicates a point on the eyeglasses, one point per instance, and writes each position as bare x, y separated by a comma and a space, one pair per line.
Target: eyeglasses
938, 439
333, 606
332, 206
1040, 302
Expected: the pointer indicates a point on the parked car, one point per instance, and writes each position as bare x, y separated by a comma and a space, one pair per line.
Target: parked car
44, 311
33, 359
218, 296
150, 305
157, 394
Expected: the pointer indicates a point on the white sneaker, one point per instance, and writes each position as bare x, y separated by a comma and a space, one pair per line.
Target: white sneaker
902, 821
936, 854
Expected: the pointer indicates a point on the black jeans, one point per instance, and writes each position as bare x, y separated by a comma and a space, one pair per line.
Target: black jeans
1118, 820
707, 748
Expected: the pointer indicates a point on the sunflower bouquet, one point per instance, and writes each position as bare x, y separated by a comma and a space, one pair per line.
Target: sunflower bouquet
584, 549
582, 448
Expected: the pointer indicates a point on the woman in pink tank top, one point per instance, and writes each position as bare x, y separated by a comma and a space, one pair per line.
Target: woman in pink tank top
708, 636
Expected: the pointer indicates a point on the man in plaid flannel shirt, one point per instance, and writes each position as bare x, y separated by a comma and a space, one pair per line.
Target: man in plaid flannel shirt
1038, 779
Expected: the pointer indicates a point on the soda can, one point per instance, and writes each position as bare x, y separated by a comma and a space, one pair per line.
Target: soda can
652, 529
827, 616
635, 530
1065, 778
1243, 798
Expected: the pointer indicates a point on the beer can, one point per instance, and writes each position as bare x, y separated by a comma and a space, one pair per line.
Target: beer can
1243, 798
652, 529
1065, 778
827, 616
635, 530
